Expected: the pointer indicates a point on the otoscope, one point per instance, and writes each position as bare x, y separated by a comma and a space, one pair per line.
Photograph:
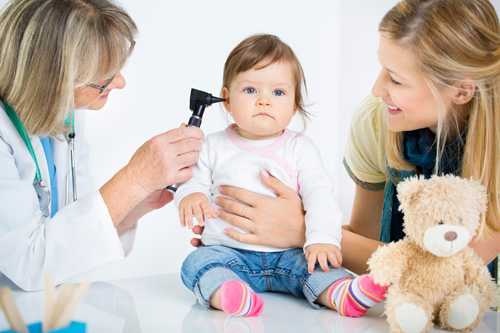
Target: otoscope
198, 101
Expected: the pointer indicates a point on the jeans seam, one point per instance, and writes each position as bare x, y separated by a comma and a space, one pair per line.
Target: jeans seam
205, 269
311, 290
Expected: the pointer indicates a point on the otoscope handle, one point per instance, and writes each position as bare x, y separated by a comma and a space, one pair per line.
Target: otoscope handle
194, 121
199, 100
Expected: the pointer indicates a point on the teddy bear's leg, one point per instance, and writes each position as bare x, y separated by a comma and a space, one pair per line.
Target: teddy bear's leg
407, 313
461, 310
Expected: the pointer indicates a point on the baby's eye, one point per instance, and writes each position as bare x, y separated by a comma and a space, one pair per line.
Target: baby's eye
249, 90
279, 92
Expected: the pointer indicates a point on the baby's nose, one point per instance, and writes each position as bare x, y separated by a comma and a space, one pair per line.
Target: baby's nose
263, 101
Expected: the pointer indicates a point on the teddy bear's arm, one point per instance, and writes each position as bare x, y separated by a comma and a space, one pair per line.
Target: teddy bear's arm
388, 263
475, 270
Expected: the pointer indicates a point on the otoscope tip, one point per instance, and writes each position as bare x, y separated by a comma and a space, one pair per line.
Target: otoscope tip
214, 99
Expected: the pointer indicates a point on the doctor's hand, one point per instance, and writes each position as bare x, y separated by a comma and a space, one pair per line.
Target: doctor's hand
163, 160
166, 159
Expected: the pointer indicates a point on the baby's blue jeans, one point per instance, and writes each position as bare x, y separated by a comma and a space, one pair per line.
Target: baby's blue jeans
208, 267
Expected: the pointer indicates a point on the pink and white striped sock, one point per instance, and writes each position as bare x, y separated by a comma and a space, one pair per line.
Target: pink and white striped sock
353, 297
238, 299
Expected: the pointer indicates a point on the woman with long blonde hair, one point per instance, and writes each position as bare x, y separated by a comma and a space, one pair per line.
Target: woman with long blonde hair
58, 57
437, 111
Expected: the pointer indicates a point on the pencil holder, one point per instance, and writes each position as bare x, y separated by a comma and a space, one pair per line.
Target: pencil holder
73, 327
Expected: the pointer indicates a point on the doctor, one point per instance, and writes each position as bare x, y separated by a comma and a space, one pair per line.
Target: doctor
57, 57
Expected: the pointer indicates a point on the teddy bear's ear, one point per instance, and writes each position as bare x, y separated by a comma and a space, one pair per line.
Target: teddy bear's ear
409, 191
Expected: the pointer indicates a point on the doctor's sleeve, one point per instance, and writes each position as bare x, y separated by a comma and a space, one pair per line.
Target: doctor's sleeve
79, 238
85, 180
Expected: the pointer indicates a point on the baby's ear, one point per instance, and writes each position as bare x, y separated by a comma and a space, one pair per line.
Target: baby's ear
409, 191
225, 94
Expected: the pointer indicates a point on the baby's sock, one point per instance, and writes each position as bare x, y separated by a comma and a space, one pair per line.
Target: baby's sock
238, 299
353, 297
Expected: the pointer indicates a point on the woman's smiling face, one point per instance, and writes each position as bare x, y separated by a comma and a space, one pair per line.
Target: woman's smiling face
403, 87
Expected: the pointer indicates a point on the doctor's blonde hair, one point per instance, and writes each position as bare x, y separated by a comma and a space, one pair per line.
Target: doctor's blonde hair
50, 47
455, 40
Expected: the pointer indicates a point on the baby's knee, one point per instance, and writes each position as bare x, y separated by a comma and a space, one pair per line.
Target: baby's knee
200, 261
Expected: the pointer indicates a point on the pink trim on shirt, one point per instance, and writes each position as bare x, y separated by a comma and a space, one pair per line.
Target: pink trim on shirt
265, 151
246, 144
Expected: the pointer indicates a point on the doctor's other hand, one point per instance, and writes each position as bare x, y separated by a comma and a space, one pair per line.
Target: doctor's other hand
196, 241
154, 201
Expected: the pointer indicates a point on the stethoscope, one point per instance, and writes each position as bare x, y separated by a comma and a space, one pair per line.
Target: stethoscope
41, 188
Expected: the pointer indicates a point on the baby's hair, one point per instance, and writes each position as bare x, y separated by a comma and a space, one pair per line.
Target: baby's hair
269, 49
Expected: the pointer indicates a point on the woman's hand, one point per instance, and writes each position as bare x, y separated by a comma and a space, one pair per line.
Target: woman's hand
164, 160
271, 221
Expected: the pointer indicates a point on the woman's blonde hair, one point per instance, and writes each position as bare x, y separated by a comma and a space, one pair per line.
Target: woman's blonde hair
50, 47
455, 40
256, 49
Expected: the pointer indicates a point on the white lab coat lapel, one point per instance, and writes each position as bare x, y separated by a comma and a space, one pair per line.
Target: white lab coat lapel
61, 161
42, 161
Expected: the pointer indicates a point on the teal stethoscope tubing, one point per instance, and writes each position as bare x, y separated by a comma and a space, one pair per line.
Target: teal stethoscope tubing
40, 187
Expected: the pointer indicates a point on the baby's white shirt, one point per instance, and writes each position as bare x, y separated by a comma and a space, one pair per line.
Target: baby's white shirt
227, 158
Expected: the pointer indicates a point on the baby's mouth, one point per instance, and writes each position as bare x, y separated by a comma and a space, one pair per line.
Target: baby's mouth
263, 114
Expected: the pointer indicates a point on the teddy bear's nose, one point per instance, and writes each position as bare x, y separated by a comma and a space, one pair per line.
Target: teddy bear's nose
450, 236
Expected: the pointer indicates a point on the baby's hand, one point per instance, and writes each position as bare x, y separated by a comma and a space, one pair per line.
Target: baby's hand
197, 205
323, 253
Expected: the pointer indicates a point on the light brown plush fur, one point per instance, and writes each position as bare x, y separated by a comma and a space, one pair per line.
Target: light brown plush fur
417, 276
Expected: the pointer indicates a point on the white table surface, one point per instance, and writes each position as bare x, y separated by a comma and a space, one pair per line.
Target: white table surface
162, 304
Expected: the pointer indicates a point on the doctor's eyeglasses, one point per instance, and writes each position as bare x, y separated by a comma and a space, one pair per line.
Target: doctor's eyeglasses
102, 87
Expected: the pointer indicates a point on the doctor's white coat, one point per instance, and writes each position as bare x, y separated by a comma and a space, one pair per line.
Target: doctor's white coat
79, 238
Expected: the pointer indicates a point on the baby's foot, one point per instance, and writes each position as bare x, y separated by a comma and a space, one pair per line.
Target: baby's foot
238, 299
353, 297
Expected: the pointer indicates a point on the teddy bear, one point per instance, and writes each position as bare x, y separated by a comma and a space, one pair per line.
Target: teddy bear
432, 274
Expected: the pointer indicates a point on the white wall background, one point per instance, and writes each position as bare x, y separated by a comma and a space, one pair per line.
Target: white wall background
184, 44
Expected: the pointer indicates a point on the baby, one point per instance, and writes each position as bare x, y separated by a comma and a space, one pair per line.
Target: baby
263, 83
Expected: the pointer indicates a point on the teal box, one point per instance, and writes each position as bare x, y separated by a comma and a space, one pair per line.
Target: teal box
73, 327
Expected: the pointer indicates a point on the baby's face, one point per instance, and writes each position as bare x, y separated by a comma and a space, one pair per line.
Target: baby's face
262, 101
